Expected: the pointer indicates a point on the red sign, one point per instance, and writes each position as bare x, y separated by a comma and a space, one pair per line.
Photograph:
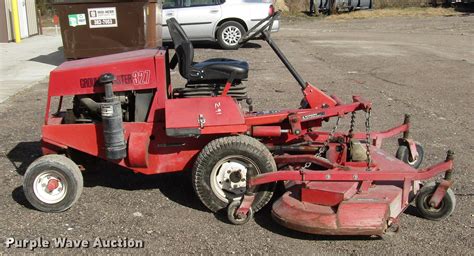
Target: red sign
56, 20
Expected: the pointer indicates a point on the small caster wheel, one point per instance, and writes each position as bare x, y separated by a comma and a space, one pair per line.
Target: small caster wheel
52, 183
403, 153
393, 228
232, 216
441, 212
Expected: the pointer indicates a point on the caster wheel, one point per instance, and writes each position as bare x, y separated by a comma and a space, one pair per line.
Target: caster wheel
403, 153
233, 218
52, 183
394, 228
441, 212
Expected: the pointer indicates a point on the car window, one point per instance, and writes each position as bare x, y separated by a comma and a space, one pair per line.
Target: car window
170, 4
190, 3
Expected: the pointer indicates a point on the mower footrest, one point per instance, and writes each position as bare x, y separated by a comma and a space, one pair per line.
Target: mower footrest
328, 193
387, 194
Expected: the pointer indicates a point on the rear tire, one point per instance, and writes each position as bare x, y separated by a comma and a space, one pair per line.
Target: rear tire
229, 34
220, 171
52, 183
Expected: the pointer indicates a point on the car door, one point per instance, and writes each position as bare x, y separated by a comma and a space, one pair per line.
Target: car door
199, 17
169, 11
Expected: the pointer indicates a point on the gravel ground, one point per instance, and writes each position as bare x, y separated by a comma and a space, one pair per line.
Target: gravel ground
422, 66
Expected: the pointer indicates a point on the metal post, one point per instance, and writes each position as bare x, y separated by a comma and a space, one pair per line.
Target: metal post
16, 21
449, 157
406, 134
312, 8
38, 21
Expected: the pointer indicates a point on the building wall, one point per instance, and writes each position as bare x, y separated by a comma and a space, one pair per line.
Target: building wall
31, 12
3, 25
32, 18
8, 11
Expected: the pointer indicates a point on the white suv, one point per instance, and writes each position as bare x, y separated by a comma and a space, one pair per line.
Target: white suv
224, 21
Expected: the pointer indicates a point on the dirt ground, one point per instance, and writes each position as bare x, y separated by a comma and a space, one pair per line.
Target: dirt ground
422, 66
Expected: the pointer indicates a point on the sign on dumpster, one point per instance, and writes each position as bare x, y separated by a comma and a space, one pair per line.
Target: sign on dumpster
102, 17
77, 19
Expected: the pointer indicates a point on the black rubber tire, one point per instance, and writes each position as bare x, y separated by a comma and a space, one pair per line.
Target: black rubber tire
219, 35
218, 149
62, 165
448, 204
403, 153
232, 208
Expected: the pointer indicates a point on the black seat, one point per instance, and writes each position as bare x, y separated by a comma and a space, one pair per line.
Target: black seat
209, 71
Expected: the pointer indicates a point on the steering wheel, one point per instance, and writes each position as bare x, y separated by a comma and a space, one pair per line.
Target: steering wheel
259, 28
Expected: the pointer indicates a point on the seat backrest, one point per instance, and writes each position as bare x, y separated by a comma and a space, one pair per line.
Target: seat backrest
183, 47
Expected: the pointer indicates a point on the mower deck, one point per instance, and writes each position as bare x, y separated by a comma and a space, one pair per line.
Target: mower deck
362, 214
341, 207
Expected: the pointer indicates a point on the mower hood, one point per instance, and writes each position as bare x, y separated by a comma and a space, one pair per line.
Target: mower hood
132, 70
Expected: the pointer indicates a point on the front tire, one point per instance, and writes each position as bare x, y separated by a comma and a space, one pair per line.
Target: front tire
52, 183
222, 167
229, 34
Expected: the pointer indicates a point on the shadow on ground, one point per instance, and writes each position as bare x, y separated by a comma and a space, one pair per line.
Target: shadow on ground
55, 58
19, 196
467, 9
23, 154
175, 186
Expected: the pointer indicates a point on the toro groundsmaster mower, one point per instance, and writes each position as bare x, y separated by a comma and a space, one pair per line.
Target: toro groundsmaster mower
125, 110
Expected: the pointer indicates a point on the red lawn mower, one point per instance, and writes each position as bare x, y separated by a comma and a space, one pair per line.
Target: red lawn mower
125, 110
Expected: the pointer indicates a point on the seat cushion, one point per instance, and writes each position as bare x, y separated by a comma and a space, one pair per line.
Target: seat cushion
219, 70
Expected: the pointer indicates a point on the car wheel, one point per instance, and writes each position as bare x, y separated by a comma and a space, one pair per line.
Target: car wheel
229, 34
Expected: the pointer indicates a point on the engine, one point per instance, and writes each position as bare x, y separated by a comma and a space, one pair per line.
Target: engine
87, 108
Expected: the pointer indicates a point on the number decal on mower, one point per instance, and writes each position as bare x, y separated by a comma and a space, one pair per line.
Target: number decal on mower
217, 106
141, 77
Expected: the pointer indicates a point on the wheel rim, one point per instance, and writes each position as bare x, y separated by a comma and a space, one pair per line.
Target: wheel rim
50, 187
228, 177
238, 220
411, 162
231, 35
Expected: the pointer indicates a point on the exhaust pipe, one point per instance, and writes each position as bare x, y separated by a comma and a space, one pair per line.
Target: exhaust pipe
111, 112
